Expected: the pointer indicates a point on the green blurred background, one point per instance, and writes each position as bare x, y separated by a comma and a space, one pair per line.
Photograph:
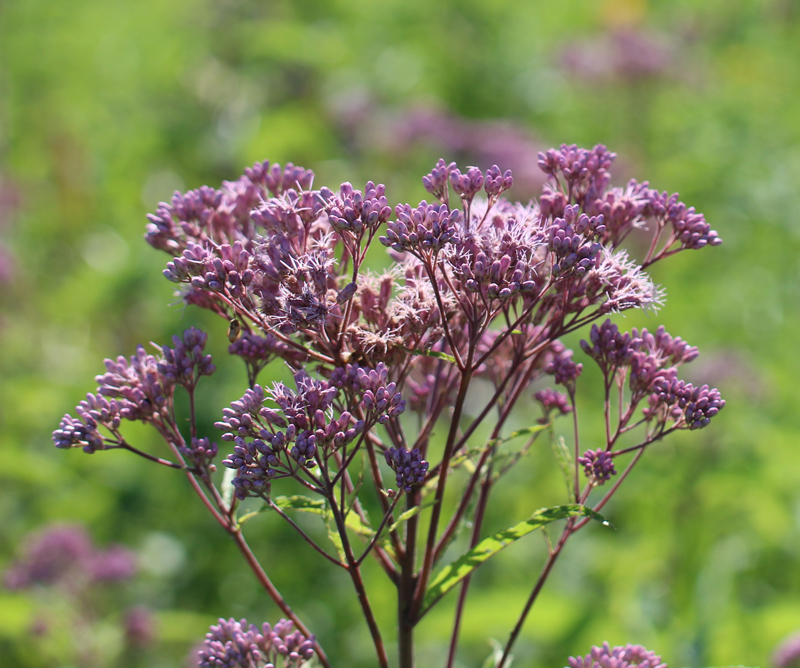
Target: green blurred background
107, 107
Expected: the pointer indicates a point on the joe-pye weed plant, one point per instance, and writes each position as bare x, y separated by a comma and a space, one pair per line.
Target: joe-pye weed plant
477, 287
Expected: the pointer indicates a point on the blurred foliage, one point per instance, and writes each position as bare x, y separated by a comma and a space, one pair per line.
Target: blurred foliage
106, 108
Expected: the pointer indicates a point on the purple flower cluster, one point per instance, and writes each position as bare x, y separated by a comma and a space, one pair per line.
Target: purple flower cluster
553, 401
787, 654
185, 363
425, 229
232, 644
610, 348
618, 657
561, 365
139, 389
66, 556
380, 399
409, 467
690, 407
597, 465
268, 443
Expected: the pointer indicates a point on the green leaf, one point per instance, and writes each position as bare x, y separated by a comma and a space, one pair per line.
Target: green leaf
432, 353
303, 503
251, 515
404, 517
528, 431
452, 574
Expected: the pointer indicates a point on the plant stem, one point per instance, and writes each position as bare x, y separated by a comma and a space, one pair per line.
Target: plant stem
536, 589
407, 585
274, 594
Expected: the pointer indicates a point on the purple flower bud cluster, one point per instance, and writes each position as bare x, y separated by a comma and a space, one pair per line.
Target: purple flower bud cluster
584, 171
501, 278
689, 227
426, 229
379, 398
200, 454
232, 644
553, 401
467, 185
185, 363
611, 349
618, 657
66, 556
497, 182
93, 412
139, 386
409, 467
278, 181
573, 242
691, 407
673, 351
561, 365
436, 181
597, 465
353, 212
266, 441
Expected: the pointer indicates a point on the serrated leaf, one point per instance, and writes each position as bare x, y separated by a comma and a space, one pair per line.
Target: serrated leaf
452, 574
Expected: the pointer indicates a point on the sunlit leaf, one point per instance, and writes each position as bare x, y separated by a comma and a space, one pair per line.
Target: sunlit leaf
452, 574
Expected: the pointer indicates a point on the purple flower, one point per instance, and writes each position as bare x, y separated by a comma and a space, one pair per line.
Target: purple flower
428, 228
553, 401
597, 465
185, 363
66, 556
409, 467
139, 626
787, 654
562, 366
610, 348
690, 407
618, 657
230, 643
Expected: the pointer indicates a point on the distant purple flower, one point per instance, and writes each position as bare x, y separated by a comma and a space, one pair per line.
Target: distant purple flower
618, 657
787, 654
597, 465
232, 644
140, 627
553, 401
563, 367
66, 555
49, 556
111, 565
